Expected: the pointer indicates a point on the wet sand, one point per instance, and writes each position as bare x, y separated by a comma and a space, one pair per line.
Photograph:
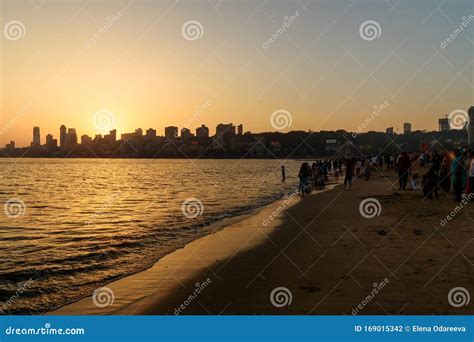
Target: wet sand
320, 248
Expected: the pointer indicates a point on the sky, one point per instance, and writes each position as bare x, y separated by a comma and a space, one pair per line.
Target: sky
269, 65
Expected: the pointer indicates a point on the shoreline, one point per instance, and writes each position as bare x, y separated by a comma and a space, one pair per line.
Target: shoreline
161, 268
326, 257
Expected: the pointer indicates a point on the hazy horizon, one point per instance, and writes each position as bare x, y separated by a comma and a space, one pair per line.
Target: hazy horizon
136, 60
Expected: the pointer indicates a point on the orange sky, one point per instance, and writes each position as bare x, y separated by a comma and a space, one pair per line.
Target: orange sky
76, 58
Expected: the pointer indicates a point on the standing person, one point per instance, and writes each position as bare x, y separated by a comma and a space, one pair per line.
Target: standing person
403, 168
283, 176
392, 161
303, 176
432, 186
458, 175
349, 174
471, 173
444, 169
436, 162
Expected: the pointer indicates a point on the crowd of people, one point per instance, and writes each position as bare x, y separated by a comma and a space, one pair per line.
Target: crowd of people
448, 171
317, 173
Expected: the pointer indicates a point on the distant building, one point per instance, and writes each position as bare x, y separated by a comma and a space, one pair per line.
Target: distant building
218, 142
111, 137
226, 130
389, 131
127, 136
240, 129
443, 124
186, 134
10, 146
470, 129
406, 128
202, 132
62, 137
86, 140
71, 139
171, 132
51, 144
151, 133
138, 132
36, 136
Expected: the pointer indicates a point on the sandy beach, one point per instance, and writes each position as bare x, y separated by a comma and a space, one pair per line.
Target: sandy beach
327, 255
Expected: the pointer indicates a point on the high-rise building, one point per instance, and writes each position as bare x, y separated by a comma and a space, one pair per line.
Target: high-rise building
470, 129
151, 133
226, 130
62, 137
202, 132
406, 128
389, 131
71, 139
240, 129
443, 124
49, 139
51, 144
171, 132
185, 134
36, 136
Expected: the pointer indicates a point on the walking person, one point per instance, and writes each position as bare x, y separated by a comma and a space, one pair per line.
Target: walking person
403, 168
283, 176
349, 174
444, 170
